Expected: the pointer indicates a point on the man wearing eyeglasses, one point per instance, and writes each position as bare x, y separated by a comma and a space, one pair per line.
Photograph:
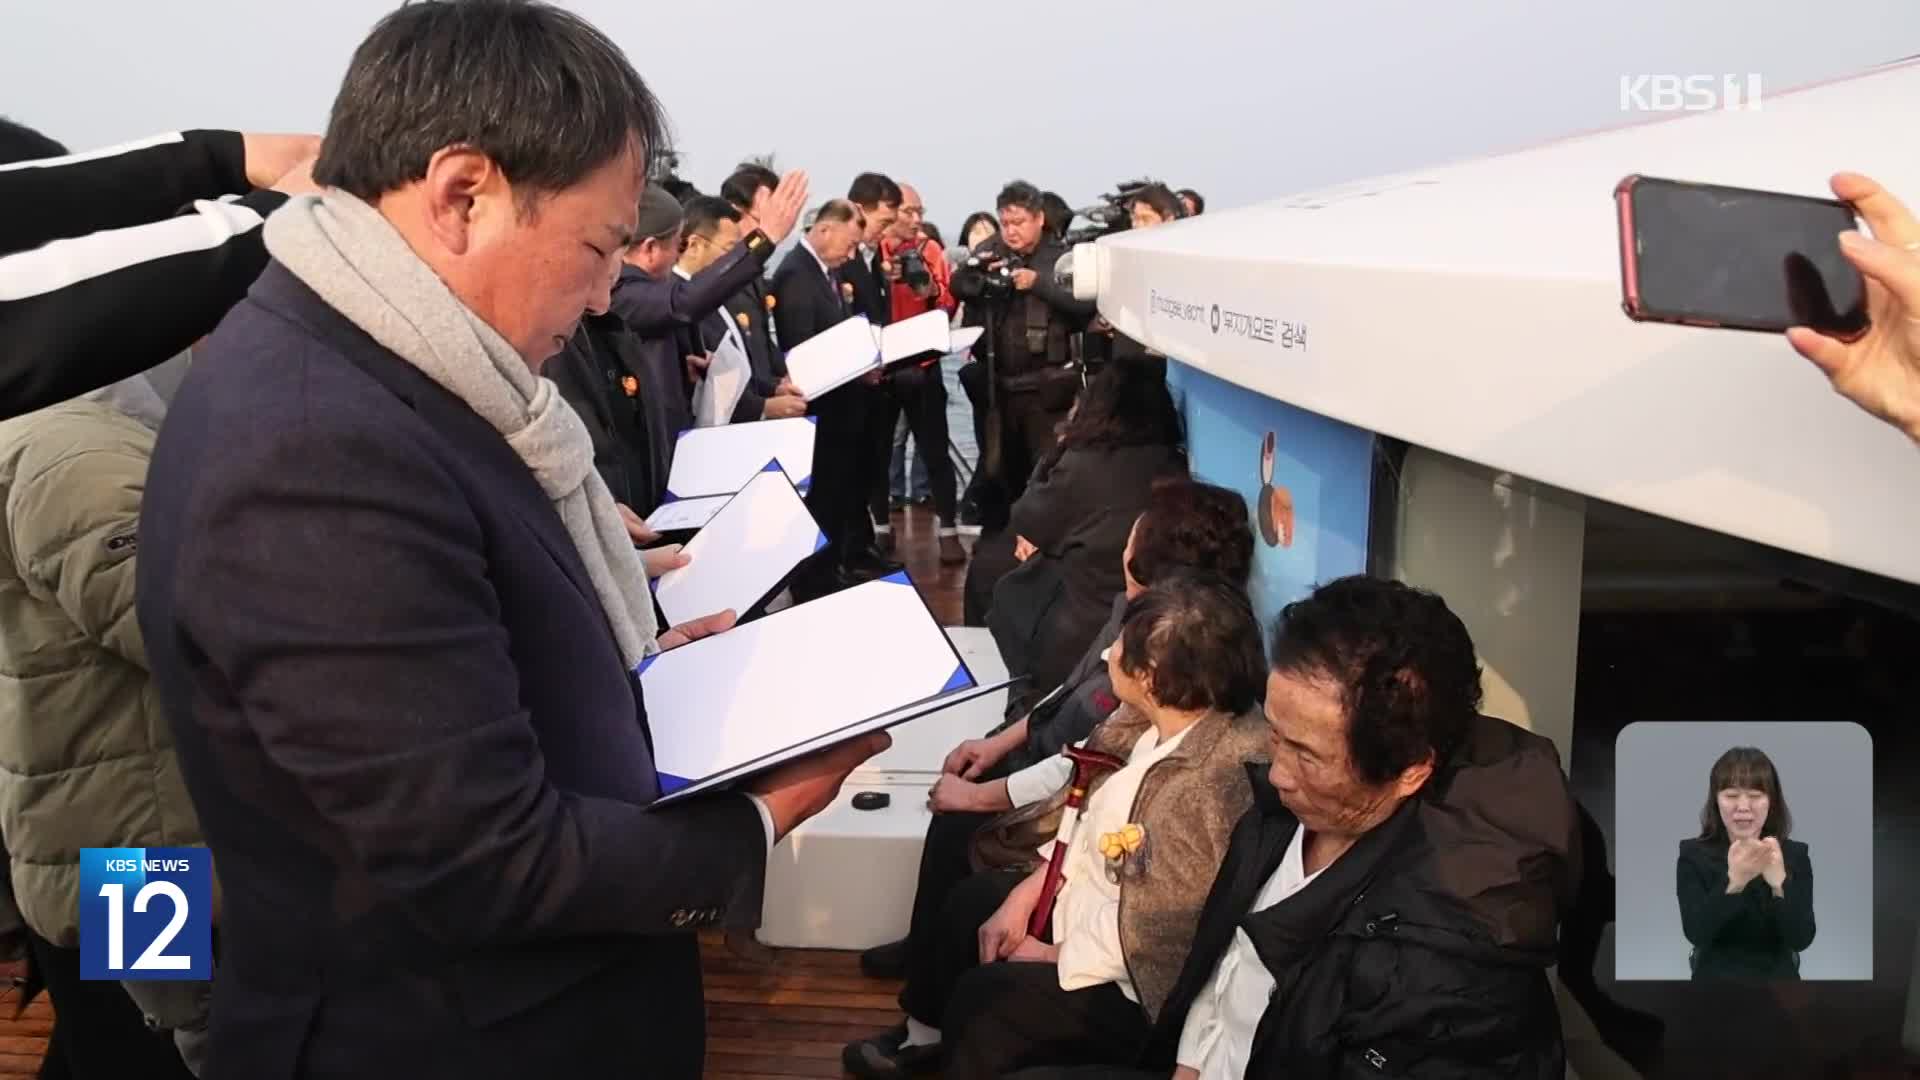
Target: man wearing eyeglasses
916, 269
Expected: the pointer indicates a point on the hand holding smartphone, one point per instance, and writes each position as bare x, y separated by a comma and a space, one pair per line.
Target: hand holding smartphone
1848, 301
1709, 255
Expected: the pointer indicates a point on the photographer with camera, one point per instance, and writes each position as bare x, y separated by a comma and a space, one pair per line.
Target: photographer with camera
1146, 206
917, 272
1029, 374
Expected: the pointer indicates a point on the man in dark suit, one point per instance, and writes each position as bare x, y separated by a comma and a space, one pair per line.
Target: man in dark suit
711, 236
810, 297
748, 189
660, 306
398, 689
878, 198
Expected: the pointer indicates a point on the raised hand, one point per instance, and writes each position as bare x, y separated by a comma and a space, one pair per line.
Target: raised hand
1745, 860
1773, 867
1880, 372
270, 158
777, 210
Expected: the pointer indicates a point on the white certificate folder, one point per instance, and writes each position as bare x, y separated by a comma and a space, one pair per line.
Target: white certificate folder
854, 346
744, 553
801, 679
720, 460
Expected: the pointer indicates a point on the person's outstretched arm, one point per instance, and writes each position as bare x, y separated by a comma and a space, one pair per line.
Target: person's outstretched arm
102, 281
656, 308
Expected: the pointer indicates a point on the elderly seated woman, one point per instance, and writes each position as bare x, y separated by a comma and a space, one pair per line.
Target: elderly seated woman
1188, 669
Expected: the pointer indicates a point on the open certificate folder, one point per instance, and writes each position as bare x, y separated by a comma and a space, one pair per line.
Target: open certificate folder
853, 347
720, 460
862, 659
744, 553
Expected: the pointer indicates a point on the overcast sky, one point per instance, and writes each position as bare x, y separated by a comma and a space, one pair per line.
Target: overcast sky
1242, 99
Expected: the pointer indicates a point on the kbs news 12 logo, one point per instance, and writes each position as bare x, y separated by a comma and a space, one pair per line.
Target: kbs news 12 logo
1689, 93
146, 913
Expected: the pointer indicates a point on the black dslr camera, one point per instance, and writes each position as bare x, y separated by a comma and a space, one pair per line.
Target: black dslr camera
913, 268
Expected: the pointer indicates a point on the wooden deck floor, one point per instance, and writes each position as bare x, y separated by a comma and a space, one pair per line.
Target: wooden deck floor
777, 1015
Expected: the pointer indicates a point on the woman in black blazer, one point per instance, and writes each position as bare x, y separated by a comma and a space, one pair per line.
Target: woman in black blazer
1745, 889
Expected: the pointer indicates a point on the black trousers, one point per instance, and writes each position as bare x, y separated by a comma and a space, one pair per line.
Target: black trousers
1013, 1015
837, 497
922, 396
98, 1032
1028, 425
937, 959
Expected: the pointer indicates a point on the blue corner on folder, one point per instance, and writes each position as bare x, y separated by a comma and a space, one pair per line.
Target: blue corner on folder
899, 578
962, 679
813, 420
820, 542
669, 497
646, 662
771, 466
670, 783
804, 486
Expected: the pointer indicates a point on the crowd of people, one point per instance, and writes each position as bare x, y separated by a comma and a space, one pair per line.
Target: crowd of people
324, 464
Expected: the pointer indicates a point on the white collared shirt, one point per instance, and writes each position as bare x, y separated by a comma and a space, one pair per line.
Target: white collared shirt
1218, 1036
824, 268
1086, 917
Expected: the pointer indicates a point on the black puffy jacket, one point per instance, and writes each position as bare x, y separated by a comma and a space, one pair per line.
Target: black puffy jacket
1423, 951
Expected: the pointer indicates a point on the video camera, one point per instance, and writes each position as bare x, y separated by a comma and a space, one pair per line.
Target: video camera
1111, 214
987, 278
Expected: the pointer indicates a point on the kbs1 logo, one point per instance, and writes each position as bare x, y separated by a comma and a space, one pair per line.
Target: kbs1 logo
146, 913
1689, 93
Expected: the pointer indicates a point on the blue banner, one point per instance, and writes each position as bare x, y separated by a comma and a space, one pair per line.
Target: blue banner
1308, 482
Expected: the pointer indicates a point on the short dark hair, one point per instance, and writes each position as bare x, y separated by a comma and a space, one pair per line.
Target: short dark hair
747, 180
1199, 204
1023, 195
1195, 640
1124, 405
18, 143
1162, 201
933, 233
538, 89
684, 190
1745, 767
873, 189
1403, 664
1189, 525
836, 210
705, 213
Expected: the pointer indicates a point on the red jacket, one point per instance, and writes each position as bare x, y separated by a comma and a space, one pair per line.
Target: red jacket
906, 302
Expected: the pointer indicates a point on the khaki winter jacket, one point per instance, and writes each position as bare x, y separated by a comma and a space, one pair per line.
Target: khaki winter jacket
86, 759
1186, 808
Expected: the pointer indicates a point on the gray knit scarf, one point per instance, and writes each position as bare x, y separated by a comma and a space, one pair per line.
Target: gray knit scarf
348, 253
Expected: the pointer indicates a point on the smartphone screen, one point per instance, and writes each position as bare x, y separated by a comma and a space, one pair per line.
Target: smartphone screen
1719, 256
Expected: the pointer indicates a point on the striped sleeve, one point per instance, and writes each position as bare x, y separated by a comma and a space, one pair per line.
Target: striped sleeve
117, 187
77, 314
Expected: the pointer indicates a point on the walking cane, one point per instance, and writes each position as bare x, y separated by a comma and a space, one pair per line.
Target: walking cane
1087, 764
